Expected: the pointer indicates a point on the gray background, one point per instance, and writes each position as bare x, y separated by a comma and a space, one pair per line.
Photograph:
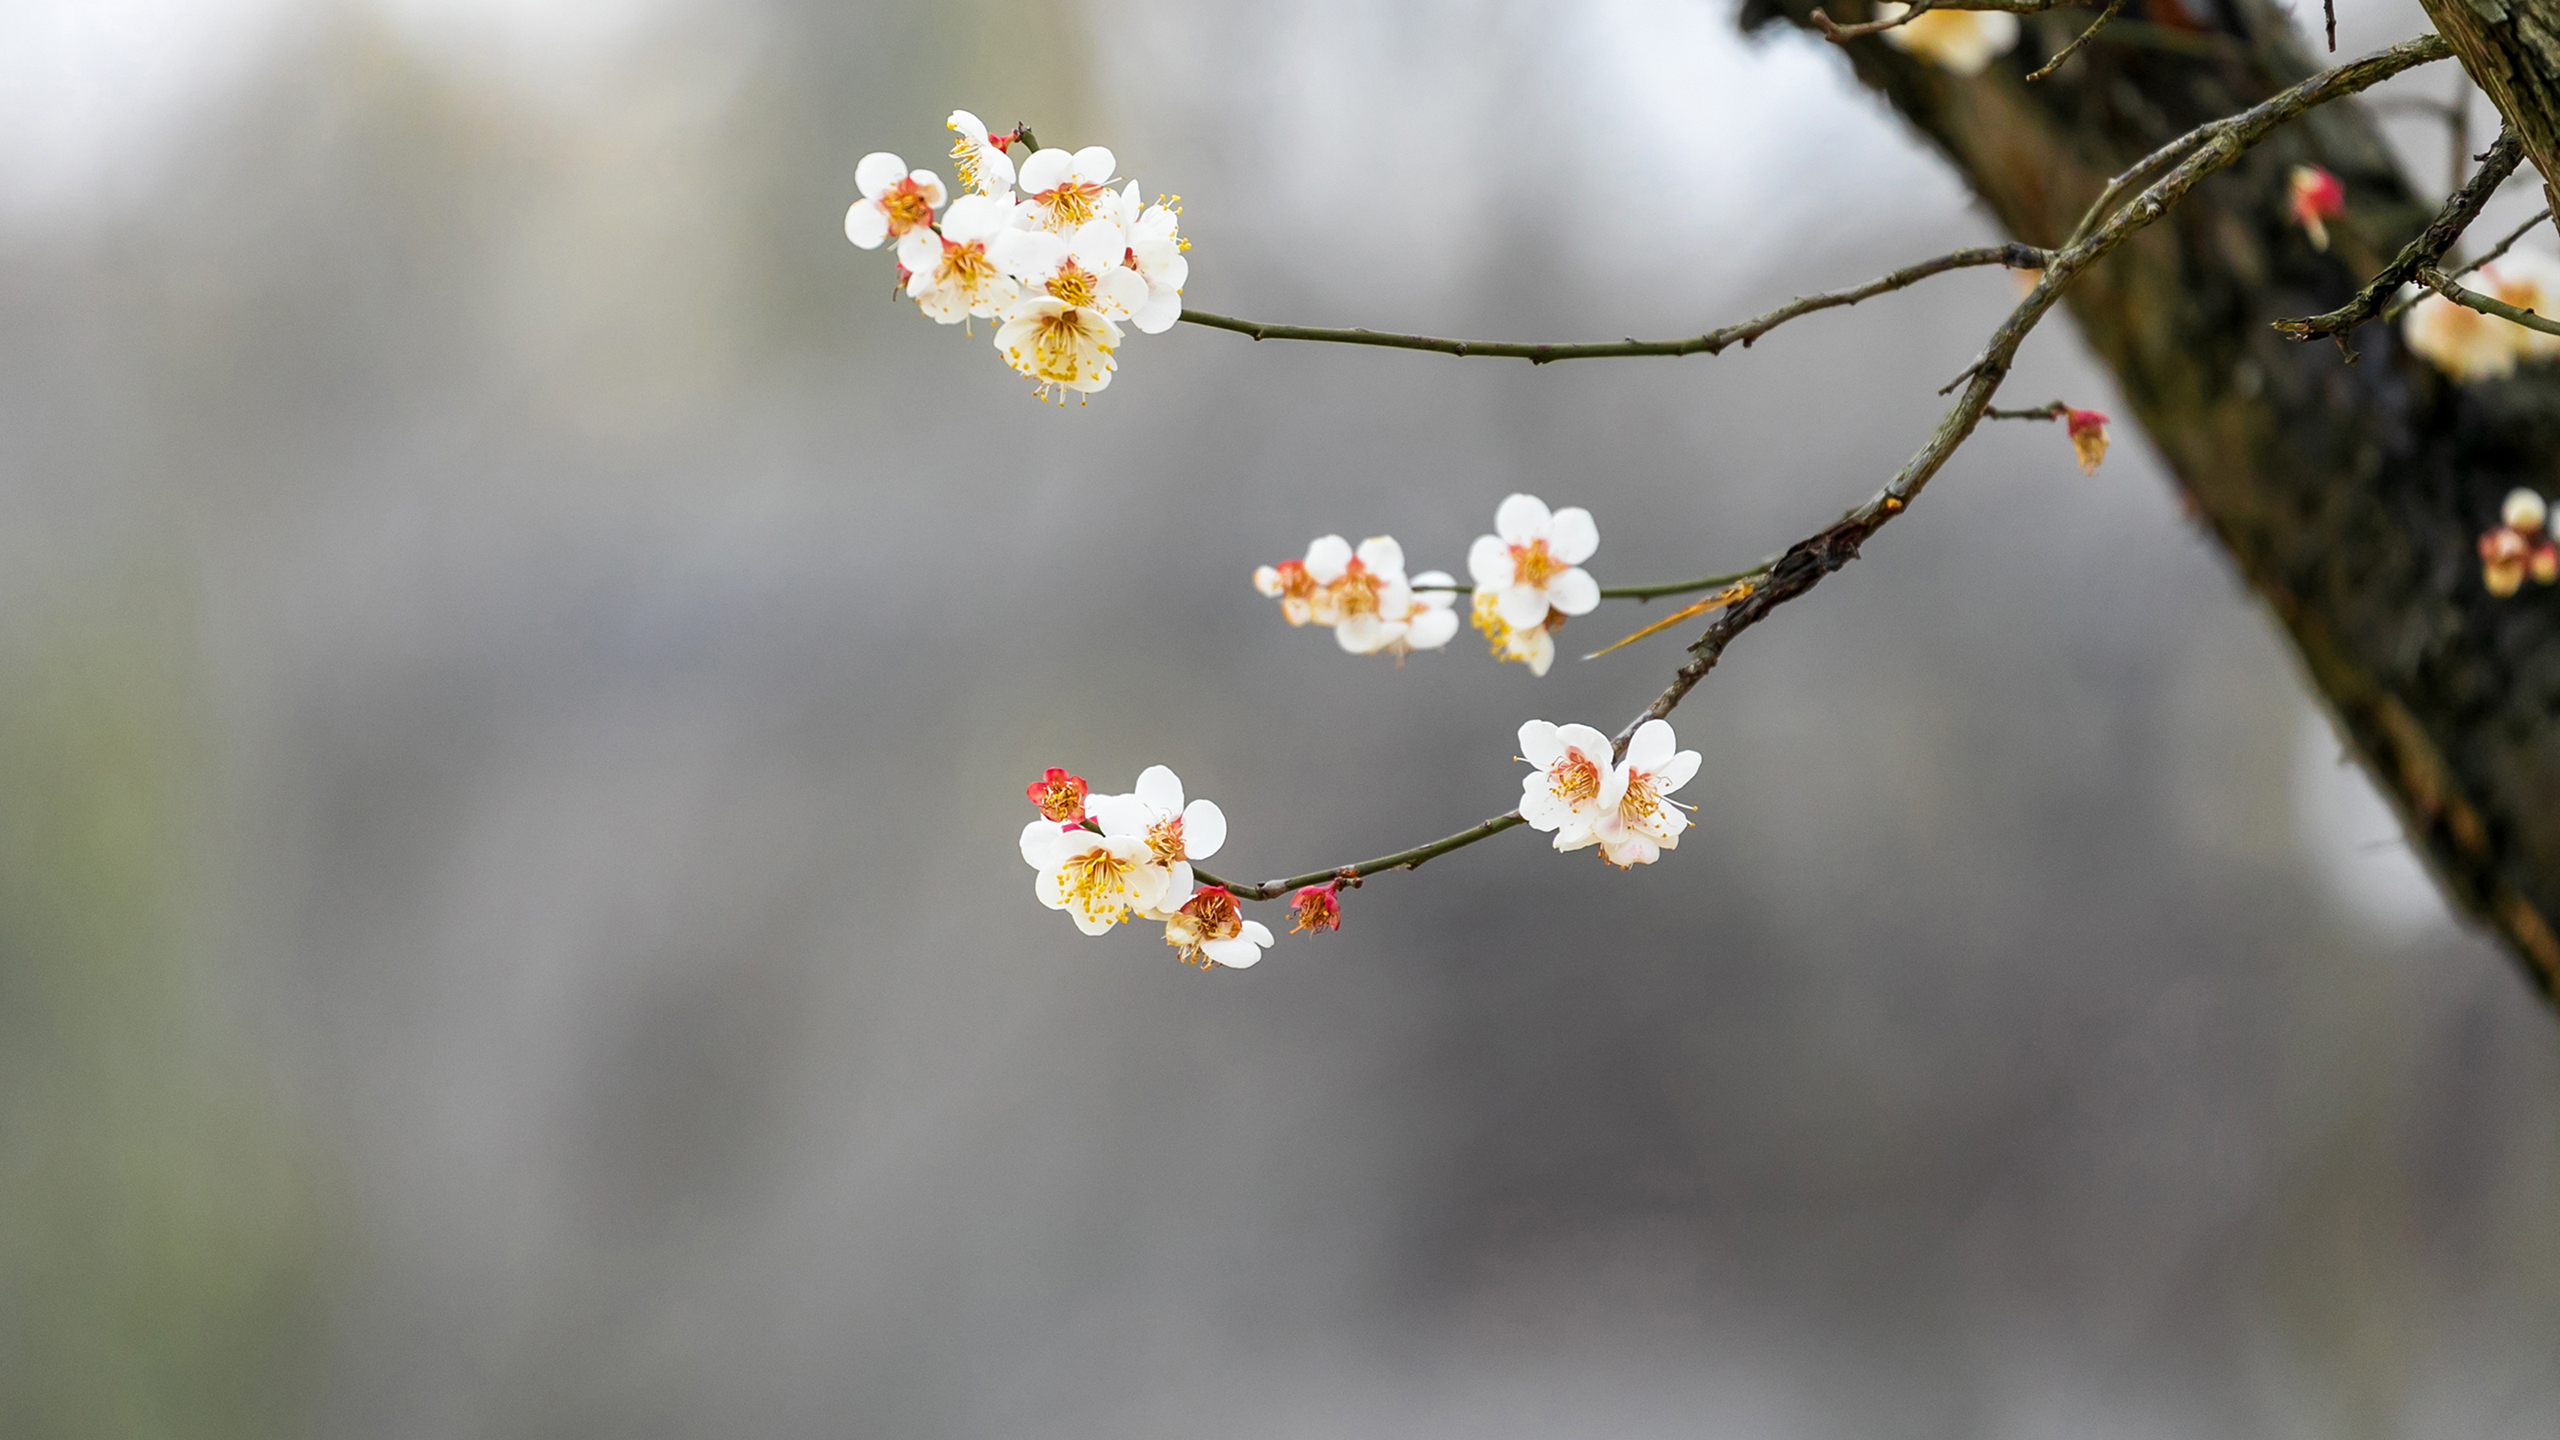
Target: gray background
519, 662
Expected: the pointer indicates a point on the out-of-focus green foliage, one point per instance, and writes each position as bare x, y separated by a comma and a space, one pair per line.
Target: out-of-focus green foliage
156, 1228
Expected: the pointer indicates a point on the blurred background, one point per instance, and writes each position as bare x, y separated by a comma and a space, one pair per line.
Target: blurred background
518, 661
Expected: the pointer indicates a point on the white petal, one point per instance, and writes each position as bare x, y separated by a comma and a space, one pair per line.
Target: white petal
1163, 307
1098, 245
1539, 806
1432, 629
1361, 634
1092, 925
1165, 888
975, 219
1044, 843
1160, 790
1522, 607
876, 172
1574, 592
1382, 555
1050, 889
1267, 580
1593, 745
1571, 537
1675, 772
1651, 746
920, 250
1237, 952
1521, 519
1538, 648
1093, 165
1541, 744
1122, 292
931, 185
1204, 828
1120, 815
1042, 171
866, 224
1327, 557
1489, 563
1574, 837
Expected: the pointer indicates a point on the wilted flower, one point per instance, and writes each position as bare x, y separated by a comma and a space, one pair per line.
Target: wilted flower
1572, 783
1058, 345
952, 275
1058, 795
1964, 42
1064, 190
2314, 196
1175, 834
1533, 561
979, 156
894, 200
2517, 547
1289, 583
1317, 907
1534, 647
1645, 821
1208, 927
2088, 431
1097, 877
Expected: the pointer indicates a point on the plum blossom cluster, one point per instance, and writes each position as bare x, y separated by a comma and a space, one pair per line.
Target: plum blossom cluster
1528, 580
1107, 858
1576, 791
2519, 546
1061, 267
1363, 596
2468, 345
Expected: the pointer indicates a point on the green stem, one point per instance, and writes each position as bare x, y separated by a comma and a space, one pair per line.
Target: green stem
2436, 280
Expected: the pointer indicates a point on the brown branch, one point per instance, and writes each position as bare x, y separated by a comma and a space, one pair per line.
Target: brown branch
2443, 284
2459, 211
2085, 36
2215, 145
1839, 34
2400, 307
2015, 256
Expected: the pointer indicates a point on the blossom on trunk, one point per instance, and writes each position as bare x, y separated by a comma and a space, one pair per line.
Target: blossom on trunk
1097, 876
2088, 431
2517, 547
1058, 795
979, 155
1533, 561
894, 200
1317, 907
1962, 42
1645, 821
1061, 347
953, 275
1572, 784
1208, 928
2313, 197
1065, 189
2460, 341
1175, 834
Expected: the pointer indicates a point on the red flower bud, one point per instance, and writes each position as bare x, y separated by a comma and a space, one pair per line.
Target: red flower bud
2088, 430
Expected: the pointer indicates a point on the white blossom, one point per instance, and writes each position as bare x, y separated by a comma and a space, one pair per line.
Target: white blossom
1423, 620
983, 165
1082, 270
2461, 341
1208, 927
1058, 345
1645, 821
1063, 190
1534, 647
1572, 784
1154, 250
1096, 877
1357, 589
895, 200
1962, 42
1533, 561
1175, 834
952, 274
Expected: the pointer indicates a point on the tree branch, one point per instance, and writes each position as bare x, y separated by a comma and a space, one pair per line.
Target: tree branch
2462, 208
2441, 283
2015, 256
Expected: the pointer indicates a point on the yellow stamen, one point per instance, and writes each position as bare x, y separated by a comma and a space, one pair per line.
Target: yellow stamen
1074, 284
1574, 778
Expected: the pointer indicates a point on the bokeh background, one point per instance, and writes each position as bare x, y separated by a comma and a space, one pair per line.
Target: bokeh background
518, 661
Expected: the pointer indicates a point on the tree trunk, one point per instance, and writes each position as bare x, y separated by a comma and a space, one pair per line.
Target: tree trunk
2512, 50
2351, 496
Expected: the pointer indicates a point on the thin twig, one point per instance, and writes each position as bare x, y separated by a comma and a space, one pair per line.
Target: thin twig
2392, 313
1839, 34
2462, 208
2054, 411
2015, 256
1645, 592
2443, 284
2085, 36
1805, 564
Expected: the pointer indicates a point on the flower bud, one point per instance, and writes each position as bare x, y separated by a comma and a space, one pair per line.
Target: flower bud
2523, 512
2316, 197
2088, 429
2505, 556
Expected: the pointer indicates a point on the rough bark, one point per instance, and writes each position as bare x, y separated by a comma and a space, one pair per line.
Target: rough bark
2350, 496
2512, 50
